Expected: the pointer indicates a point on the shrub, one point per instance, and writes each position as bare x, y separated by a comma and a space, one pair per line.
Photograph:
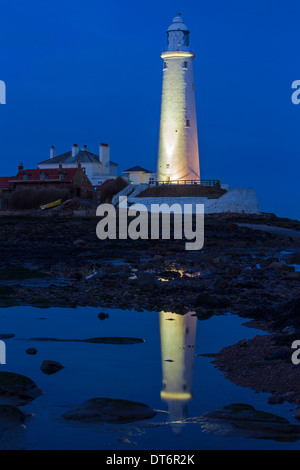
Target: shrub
112, 187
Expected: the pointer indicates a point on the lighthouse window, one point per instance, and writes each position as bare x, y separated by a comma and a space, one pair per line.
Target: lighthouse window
186, 38
188, 123
167, 165
165, 65
185, 65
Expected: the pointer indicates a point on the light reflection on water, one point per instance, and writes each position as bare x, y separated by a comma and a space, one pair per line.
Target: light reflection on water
163, 372
178, 336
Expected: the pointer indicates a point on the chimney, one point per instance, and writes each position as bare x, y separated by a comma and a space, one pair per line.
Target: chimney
75, 150
21, 167
104, 158
52, 152
85, 147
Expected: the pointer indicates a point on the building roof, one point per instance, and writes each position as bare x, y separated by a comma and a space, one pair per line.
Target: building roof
5, 182
137, 169
83, 156
51, 174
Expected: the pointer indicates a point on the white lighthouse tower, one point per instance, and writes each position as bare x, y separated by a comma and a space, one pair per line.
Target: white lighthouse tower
178, 154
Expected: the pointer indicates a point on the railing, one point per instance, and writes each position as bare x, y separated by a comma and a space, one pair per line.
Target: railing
199, 182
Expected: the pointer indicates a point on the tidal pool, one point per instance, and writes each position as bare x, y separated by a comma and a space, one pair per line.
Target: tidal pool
165, 372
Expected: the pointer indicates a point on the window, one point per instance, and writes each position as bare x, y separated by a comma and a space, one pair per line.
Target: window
165, 65
188, 123
186, 38
185, 65
167, 165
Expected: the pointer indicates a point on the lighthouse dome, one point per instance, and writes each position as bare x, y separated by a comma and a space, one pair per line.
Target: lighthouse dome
178, 35
178, 24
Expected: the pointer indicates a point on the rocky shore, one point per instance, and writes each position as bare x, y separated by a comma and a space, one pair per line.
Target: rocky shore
60, 261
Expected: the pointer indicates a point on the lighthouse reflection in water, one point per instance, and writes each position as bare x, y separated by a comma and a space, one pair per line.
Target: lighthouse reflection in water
177, 336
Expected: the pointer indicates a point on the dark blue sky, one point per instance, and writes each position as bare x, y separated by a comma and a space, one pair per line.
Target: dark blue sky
90, 71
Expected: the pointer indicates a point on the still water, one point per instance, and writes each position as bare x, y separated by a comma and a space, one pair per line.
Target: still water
165, 372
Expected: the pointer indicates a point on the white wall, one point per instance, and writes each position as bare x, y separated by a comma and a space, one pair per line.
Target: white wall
235, 200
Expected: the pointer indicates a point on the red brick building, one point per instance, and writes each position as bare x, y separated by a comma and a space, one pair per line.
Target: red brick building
73, 179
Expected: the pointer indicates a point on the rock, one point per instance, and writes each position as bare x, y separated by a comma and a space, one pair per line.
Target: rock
205, 300
18, 387
281, 354
110, 410
213, 302
11, 416
288, 313
103, 316
79, 243
7, 336
51, 367
280, 265
249, 285
245, 421
293, 276
219, 260
31, 351
100, 340
147, 280
221, 284
12, 427
234, 270
289, 330
297, 414
274, 400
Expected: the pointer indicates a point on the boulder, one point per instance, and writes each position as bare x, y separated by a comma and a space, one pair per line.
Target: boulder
51, 367
110, 410
31, 351
244, 420
18, 387
147, 280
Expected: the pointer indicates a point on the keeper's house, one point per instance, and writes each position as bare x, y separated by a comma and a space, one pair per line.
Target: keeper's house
98, 168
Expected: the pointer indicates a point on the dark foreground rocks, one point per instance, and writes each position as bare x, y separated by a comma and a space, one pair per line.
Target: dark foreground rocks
110, 410
242, 420
18, 388
12, 427
263, 363
11, 416
237, 268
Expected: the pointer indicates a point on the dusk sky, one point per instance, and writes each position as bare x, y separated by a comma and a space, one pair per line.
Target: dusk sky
90, 71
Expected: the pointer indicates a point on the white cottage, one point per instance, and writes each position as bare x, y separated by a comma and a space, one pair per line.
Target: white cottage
98, 168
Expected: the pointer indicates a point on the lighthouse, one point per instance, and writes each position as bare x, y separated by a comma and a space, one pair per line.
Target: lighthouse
178, 154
